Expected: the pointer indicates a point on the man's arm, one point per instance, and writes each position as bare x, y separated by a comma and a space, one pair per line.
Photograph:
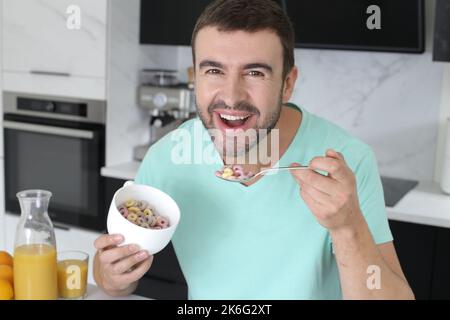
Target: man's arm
367, 270
333, 200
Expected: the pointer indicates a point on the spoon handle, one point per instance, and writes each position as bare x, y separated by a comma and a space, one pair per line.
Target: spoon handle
285, 168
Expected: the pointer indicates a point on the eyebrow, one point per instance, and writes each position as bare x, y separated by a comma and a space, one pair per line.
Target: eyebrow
256, 65
210, 63
259, 65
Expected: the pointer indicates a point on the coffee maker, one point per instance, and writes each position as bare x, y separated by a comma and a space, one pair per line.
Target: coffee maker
169, 104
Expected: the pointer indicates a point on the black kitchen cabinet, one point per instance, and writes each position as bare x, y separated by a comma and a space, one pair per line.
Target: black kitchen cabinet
165, 279
424, 253
441, 276
415, 244
344, 25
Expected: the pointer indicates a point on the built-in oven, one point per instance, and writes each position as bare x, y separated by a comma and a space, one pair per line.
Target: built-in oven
57, 144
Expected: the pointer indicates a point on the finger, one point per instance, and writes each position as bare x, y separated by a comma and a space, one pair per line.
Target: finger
318, 196
141, 269
128, 262
334, 154
336, 168
311, 203
117, 253
106, 240
316, 180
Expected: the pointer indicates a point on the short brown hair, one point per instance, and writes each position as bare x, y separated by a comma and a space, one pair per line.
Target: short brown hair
250, 16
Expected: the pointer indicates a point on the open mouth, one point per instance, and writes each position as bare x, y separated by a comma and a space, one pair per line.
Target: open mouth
229, 121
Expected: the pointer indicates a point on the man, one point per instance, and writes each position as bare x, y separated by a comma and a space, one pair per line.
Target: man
320, 233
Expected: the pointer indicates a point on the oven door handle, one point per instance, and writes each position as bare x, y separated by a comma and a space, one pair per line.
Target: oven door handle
38, 128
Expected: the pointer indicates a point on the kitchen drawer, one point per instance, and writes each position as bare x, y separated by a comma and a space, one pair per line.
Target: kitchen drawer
65, 86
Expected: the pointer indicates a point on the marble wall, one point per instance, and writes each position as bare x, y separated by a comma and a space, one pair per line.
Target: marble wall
389, 100
127, 123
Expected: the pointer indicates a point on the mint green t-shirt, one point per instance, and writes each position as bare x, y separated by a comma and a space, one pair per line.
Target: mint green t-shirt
261, 241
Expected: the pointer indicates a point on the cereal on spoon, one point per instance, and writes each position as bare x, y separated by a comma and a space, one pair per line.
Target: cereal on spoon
234, 172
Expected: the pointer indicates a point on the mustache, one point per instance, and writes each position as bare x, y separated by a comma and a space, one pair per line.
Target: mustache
240, 106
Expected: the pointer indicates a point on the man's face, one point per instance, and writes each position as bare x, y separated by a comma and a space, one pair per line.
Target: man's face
239, 85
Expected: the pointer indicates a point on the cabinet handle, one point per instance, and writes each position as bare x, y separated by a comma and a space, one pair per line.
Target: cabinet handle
50, 73
65, 132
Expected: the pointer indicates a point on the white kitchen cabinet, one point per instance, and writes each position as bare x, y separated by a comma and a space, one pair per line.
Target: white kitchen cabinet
43, 53
10, 228
72, 239
72, 87
2, 206
2, 172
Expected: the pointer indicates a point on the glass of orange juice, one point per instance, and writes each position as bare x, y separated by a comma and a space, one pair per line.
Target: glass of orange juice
72, 274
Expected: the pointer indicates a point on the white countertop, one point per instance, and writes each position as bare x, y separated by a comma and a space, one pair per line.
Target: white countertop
95, 293
425, 204
126, 171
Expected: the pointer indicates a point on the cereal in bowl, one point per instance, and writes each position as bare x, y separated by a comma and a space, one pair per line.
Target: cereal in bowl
141, 214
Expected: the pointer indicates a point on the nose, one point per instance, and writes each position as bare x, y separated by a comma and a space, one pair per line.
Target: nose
233, 91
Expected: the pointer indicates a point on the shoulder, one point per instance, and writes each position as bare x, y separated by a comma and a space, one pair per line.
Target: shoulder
159, 156
329, 135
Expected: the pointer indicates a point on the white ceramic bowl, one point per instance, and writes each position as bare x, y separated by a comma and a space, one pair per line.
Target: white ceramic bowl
152, 240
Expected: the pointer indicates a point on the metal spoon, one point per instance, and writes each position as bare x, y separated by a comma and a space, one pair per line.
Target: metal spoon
263, 172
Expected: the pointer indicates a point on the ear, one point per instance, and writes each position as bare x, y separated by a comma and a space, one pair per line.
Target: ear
289, 84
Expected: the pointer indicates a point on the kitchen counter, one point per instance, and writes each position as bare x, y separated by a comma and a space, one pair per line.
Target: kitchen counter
425, 204
95, 293
125, 171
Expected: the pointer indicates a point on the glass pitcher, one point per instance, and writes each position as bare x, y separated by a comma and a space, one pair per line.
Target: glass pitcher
35, 266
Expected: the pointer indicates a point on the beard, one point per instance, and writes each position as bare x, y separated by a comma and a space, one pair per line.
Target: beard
238, 143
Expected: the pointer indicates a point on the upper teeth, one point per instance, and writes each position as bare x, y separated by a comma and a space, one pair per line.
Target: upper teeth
229, 117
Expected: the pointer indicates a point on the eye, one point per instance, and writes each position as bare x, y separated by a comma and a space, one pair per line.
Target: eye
213, 71
255, 73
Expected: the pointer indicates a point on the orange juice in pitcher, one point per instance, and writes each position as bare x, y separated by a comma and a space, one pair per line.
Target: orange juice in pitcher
35, 273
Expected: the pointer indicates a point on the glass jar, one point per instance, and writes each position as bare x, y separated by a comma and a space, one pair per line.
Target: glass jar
35, 265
